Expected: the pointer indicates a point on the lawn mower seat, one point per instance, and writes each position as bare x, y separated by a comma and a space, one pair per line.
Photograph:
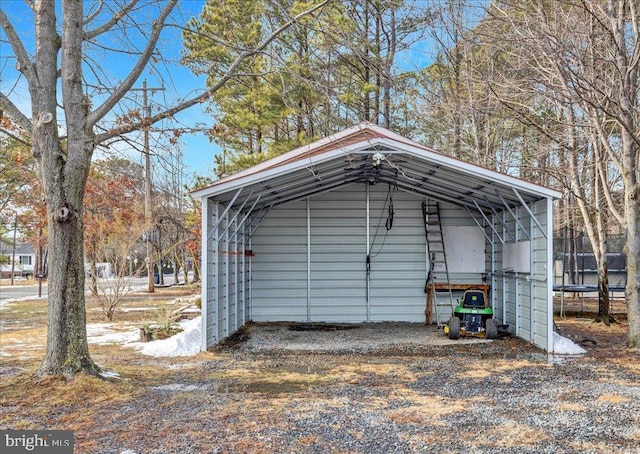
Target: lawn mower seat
473, 299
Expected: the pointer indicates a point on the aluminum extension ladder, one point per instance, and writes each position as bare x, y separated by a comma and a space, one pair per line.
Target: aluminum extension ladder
438, 269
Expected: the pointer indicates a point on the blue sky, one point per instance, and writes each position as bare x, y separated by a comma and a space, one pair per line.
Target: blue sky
178, 82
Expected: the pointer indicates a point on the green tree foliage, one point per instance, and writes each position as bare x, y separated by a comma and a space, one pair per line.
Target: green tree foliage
327, 73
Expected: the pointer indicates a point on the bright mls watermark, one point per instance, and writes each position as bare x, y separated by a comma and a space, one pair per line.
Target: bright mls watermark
36, 441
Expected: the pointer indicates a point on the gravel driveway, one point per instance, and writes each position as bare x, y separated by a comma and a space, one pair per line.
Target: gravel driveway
401, 388
392, 388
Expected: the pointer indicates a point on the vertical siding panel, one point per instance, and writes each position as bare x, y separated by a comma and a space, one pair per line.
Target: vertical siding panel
207, 304
278, 269
398, 258
338, 256
222, 282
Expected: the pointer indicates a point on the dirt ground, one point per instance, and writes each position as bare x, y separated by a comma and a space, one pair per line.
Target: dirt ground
503, 396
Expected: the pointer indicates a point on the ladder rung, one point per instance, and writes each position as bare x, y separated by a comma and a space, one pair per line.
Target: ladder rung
436, 248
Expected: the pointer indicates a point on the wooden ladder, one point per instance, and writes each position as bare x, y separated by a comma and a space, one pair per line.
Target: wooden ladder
438, 269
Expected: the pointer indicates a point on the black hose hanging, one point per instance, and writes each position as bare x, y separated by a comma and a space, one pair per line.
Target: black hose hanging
389, 223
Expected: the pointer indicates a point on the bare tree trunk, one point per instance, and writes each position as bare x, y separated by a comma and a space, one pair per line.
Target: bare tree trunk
366, 99
391, 55
53, 62
196, 274
632, 252
67, 347
63, 180
602, 247
632, 246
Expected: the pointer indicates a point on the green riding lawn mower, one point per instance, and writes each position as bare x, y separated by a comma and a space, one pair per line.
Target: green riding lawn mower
473, 317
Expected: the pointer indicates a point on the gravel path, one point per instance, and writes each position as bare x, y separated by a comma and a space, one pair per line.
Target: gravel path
395, 388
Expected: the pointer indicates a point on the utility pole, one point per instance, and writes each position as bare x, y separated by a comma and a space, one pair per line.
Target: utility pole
148, 215
13, 249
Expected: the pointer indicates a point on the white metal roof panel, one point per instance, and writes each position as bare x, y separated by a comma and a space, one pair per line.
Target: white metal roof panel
347, 158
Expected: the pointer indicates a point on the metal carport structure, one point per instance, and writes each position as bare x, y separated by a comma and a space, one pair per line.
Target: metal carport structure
299, 237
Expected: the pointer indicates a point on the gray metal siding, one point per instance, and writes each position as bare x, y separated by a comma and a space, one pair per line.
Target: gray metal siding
541, 262
338, 256
209, 303
337, 290
279, 267
309, 264
225, 274
398, 258
521, 298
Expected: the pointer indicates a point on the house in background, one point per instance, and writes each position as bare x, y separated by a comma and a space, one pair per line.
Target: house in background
25, 259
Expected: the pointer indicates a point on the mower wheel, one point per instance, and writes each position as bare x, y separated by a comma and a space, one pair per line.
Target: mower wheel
491, 327
454, 328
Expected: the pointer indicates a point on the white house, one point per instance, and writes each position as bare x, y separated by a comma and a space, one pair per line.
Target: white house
25, 259
335, 232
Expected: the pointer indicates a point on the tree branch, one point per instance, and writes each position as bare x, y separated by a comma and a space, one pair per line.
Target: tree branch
90, 34
15, 114
15, 137
24, 63
123, 88
229, 73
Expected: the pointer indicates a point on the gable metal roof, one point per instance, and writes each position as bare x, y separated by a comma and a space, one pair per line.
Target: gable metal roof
367, 153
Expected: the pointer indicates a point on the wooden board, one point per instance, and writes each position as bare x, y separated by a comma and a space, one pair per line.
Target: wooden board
442, 286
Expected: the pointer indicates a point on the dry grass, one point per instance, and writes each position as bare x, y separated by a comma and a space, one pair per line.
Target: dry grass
512, 434
612, 399
631, 366
23, 342
38, 398
356, 373
25, 346
428, 410
570, 407
597, 446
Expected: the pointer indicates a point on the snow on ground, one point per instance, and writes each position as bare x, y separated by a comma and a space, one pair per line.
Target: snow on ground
18, 299
564, 346
137, 309
185, 343
104, 334
109, 374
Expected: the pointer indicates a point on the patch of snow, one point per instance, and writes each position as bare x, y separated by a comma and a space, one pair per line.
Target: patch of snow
128, 451
109, 374
564, 346
178, 387
97, 329
183, 300
104, 334
191, 310
181, 366
3, 303
137, 309
185, 343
